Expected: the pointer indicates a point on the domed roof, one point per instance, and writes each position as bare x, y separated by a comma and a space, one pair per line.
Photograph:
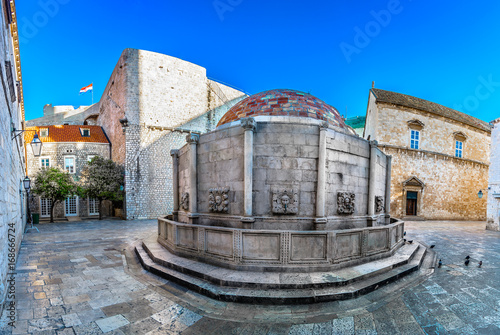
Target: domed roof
283, 102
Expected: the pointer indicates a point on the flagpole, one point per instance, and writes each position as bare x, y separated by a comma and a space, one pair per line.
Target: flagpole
92, 93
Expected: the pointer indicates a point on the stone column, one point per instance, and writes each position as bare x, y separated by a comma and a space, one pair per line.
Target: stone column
388, 191
175, 182
371, 185
193, 140
321, 187
249, 125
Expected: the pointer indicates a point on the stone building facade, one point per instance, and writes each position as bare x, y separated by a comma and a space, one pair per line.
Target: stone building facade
69, 148
440, 157
59, 115
150, 103
493, 212
12, 153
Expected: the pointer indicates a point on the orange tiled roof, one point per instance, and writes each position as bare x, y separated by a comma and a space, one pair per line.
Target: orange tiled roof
67, 133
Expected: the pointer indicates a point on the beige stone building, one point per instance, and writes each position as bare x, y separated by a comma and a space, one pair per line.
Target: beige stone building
69, 148
440, 156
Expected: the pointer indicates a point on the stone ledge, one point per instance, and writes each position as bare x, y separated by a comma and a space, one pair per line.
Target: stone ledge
281, 288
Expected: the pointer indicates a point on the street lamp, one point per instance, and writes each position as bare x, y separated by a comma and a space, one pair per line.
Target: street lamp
27, 184
480, 194
27, 187
36, 144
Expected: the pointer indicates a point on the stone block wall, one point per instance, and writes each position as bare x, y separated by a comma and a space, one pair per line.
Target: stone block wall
163, 98
451, 185
220, 164
437, 134
493, 192
60, 115
12, 162
116, 99
285, 157
348, 161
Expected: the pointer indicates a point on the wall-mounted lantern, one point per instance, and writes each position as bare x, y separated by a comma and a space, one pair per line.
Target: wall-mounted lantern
36, 144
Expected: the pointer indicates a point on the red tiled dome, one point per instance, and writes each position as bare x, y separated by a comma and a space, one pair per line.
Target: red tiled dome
283, 103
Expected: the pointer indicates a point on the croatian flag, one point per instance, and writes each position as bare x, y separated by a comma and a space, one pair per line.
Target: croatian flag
86, 88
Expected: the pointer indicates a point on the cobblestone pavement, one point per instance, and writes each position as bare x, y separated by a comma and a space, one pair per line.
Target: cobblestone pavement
82, 278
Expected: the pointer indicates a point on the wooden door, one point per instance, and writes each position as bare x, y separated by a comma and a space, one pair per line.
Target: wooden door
411, 203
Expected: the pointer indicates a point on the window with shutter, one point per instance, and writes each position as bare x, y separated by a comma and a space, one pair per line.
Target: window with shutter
10, 81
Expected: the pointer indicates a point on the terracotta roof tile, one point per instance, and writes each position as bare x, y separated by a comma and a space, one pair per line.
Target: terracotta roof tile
428, 106
283, 102
67, 133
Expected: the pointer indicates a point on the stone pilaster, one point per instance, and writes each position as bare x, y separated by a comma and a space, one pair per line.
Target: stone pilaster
192, 140
388, 190
249, 126
175, 182
321, 186
371, 184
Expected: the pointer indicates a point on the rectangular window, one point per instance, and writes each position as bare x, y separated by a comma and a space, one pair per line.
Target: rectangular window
85, 132
45, 205
45, 162
44, 132
70, 206
93, 206
8, 12
459, 149
414, 139
69, 164
10, 81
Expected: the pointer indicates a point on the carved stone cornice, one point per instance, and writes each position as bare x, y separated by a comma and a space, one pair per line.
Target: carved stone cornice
174, 153
323, 126
193, 138
248, 123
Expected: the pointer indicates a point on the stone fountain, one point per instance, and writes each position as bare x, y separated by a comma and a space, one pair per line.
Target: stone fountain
281, 203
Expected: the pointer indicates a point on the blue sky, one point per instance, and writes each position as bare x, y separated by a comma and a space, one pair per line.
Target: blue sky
446, 52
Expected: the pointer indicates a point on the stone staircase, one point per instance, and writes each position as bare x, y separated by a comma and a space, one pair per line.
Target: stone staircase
281, 287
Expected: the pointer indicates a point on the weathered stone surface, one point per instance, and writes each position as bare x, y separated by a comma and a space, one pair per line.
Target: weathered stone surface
12, 165
451, 183
493, 193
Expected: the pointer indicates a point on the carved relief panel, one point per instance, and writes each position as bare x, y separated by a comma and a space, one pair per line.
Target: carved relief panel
379, 204
184, 203
218, 200
345, 202
285, 201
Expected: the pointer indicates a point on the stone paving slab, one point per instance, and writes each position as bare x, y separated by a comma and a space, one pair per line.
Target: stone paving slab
99, 288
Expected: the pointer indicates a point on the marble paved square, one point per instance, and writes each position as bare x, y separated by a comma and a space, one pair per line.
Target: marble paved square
82, 278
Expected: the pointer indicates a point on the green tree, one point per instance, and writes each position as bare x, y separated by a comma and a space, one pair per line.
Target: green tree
102, 179
53, 184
